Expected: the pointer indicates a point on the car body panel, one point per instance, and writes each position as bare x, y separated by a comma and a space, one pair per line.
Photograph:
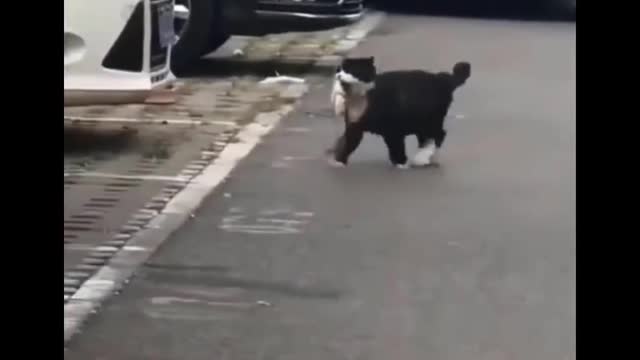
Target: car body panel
91, 40
278, 16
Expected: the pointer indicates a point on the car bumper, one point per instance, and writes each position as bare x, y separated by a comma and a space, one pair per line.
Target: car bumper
322, 10
278, 15
256, 18
273, 16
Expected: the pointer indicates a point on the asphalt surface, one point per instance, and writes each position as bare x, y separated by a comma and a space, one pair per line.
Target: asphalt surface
291, 259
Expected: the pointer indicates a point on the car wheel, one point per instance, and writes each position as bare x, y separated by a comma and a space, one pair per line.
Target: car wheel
217, 40
195, 25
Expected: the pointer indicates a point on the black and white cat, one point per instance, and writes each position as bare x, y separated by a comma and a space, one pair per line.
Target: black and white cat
394, 105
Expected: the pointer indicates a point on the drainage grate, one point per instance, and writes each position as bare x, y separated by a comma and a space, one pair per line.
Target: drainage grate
105, 207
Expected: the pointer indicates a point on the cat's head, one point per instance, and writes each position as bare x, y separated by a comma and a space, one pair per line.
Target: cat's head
360, 69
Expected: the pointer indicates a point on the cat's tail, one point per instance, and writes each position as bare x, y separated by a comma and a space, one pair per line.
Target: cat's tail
460, 74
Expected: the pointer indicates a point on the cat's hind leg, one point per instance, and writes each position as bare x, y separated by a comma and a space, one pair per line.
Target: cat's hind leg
427, 148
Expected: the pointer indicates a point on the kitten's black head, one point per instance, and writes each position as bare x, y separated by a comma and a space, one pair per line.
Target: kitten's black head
363, 68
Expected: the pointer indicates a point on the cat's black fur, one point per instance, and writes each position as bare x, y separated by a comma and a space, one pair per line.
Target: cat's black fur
402, 103
363, 68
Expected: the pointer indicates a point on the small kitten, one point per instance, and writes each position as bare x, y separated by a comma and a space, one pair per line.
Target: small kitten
353, 78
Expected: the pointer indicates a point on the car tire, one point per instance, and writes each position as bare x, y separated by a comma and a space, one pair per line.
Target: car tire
217, 40
202, 26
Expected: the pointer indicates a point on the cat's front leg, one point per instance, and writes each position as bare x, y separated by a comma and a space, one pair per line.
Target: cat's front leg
397, 152
347, 144
331, 152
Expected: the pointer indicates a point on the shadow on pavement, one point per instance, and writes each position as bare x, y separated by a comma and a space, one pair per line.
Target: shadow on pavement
216, 278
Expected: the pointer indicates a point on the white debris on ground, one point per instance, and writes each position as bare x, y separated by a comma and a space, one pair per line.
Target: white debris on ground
281, 79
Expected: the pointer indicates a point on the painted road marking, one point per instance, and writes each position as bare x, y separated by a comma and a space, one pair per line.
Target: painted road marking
265, 222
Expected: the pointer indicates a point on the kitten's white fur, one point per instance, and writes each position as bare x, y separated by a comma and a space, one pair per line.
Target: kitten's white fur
347, 78
338, 94
337, 98
425, 154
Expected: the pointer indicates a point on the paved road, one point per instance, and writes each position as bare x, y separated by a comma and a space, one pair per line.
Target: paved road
291, 259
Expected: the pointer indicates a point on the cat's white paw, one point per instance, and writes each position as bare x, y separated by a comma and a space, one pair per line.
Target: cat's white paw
402, 166
335, 163
424, 156
421, 160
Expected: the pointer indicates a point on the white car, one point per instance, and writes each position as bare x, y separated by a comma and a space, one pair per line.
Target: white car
116, 51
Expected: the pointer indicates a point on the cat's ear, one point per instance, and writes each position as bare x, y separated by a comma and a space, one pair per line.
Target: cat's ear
372, 59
